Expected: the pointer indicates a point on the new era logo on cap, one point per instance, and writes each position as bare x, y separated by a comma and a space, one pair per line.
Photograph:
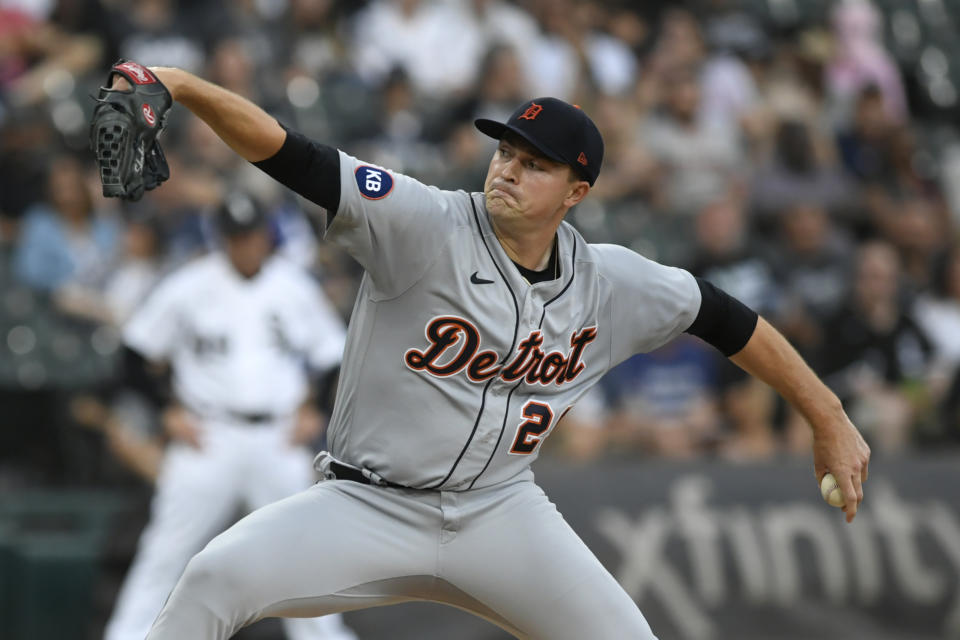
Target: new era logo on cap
561, 131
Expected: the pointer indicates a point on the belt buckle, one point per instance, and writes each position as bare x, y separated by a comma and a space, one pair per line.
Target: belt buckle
322, 462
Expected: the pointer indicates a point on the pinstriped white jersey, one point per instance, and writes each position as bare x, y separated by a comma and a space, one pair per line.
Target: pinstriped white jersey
235, 344
456, 368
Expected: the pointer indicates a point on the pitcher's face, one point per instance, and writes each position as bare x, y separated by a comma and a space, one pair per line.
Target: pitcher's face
523, 184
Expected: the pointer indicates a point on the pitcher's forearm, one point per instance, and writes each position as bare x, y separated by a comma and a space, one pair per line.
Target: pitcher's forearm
246, 128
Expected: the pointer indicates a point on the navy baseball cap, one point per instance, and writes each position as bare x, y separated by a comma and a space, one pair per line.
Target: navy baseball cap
559, 130
240, 214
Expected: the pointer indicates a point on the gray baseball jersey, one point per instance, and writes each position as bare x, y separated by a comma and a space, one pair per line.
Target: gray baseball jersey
455, 371
472, 366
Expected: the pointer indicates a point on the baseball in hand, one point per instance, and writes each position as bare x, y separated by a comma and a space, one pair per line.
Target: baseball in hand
830, 491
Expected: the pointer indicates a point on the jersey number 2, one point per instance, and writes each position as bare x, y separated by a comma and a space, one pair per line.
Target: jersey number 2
530, 433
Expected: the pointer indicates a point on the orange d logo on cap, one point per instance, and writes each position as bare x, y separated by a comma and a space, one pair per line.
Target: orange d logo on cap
532, 111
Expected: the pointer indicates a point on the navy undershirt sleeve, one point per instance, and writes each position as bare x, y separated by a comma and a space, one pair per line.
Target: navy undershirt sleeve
140, 376
308, 168
723, 321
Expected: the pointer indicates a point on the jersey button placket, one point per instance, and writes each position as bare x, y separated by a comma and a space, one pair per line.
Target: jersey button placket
530, 318
450, 514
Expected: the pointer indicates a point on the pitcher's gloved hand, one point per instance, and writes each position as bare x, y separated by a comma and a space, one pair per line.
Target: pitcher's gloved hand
124, 130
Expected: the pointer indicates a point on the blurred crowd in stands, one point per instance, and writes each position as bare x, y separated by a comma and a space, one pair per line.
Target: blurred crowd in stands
800, 154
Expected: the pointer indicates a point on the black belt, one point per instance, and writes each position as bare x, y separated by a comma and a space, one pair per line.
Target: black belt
252, 418
343, 472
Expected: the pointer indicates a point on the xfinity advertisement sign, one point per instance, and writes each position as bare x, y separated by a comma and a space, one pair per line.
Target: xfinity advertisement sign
714, 551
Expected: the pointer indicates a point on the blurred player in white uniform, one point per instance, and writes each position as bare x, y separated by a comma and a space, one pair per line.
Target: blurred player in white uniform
244, 333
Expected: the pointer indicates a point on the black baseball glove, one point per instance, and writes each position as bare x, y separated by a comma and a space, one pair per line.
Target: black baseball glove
124, 130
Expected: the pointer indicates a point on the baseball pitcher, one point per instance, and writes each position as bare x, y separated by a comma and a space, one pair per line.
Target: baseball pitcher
482, 317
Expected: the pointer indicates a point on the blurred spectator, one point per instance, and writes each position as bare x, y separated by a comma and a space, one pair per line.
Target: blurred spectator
399, 138
908, 206
295, 233
678, 44
727, 256
139, 268
733, 75
155, 32
795, 175
629, 169
917, 232
315, 69
875, 355
183, 202
438, 44
128, 422
312, 45
913, 170
37, 57
865, 144
625, 23
811, 266
136, 270
63, 240
25, 140
794, 88
860, 61
730, 258
503, 24
75, 16
231, 66
576, 59
898, 197
665, 403
698, 161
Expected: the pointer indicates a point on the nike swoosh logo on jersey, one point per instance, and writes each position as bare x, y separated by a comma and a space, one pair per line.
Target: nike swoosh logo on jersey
477, 280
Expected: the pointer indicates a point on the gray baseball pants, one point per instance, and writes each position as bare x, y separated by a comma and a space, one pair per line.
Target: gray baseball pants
503, 553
